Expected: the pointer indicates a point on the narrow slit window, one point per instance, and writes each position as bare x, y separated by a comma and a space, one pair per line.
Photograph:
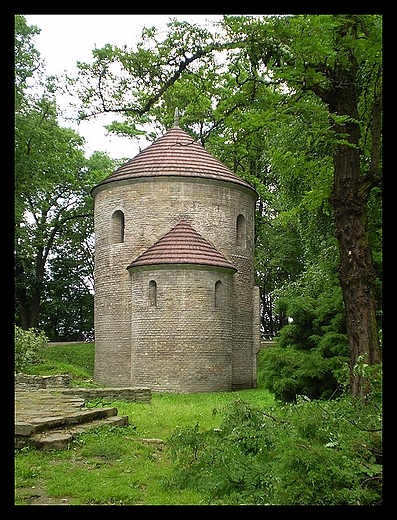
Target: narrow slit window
241, 231
218, 295
152, 300
117, 227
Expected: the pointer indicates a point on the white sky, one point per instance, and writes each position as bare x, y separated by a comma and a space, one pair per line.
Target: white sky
66, 39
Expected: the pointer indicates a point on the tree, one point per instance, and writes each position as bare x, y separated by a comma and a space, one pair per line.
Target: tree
353, 183
67, 308
52, 182
325, 69
51, 158
349, 83
55, 209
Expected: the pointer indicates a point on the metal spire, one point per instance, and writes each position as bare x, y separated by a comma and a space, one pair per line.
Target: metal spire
176, 117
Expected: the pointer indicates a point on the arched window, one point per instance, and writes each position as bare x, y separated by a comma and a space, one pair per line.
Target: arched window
241, 231
218, 295
117, 227
152, 297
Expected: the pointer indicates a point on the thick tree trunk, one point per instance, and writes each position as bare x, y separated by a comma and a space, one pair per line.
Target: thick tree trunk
356, 272
349, 199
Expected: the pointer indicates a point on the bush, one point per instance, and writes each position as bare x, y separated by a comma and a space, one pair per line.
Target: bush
307, 453
28, 348
311, 351
288, 372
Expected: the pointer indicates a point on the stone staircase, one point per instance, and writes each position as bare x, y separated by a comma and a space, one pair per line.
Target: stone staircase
49, 420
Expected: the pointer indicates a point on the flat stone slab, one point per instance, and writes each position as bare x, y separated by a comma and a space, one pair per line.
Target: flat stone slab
51, 441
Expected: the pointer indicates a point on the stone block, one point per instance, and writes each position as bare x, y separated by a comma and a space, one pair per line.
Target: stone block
23, 428
52, 441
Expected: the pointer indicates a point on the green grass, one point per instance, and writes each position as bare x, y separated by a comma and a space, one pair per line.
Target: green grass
113, 465
76, 359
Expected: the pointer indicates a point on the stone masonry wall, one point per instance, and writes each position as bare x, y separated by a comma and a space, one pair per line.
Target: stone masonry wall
29, 382
139, 395
184, 343
151, 208
61, 383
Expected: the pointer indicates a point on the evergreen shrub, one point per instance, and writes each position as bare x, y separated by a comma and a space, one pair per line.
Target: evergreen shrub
311, 351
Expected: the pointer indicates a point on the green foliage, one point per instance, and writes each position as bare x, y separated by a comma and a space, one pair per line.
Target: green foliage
80, 355
257, 94
28, 348
202, 457
105, 443
312, 350
53, 205
226, 448
309, 453
113, 465
26, 56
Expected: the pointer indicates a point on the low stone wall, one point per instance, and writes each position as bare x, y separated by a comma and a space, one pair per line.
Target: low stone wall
62, 384
28, 382
141, 395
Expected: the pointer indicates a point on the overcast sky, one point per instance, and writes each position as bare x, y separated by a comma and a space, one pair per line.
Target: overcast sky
66, 39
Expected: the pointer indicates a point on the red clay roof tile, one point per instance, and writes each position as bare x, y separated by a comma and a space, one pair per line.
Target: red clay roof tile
175, 154
182, 245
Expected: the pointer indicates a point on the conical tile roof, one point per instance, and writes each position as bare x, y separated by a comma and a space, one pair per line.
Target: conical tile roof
182, 245
175, 154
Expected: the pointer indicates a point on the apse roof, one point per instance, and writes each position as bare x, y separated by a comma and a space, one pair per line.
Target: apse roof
182, 245
175, 154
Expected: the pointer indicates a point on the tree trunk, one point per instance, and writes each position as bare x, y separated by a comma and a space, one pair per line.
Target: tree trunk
35, 308
356, 272
29, 307
20, 291
38, 288
349, 199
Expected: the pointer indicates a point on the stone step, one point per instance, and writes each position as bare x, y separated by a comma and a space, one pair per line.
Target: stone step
61, 439
48, 419
41, 424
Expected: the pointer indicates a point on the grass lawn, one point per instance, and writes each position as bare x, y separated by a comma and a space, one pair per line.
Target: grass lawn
113, 465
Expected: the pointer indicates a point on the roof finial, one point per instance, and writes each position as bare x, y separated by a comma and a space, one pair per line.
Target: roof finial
176, 117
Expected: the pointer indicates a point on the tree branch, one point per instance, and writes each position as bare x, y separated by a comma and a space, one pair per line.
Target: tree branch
54, 231
175, 76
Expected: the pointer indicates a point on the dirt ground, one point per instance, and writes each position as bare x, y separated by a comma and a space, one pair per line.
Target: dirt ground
36, 496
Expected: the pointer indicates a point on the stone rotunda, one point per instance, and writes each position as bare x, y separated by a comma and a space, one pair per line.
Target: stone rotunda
176, 308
